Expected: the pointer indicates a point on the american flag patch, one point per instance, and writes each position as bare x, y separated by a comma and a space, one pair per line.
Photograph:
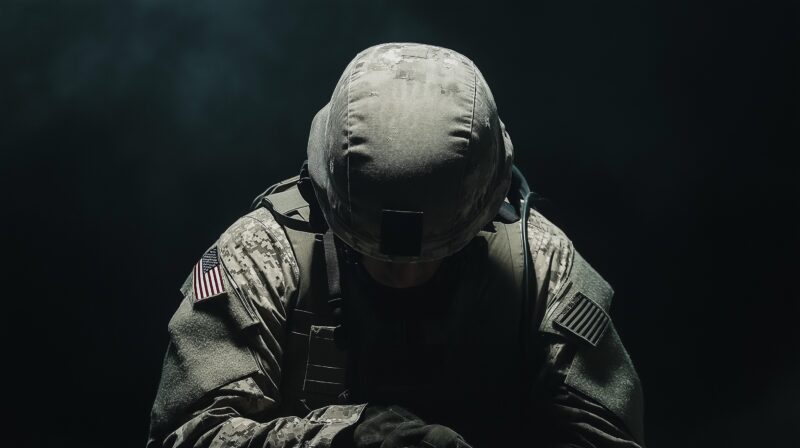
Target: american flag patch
206, 277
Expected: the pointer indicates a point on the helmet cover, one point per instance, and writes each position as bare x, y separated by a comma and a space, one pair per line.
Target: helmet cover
409, 159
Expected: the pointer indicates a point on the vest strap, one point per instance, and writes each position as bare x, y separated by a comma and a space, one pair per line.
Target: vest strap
287, 205
335, 296
332, 267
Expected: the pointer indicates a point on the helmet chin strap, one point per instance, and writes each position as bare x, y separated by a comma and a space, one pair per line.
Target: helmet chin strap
529, 314
524, 194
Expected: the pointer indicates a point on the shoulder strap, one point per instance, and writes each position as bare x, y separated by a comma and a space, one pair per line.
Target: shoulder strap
520, 193
293, 203
280, 186
317, 370
335, 295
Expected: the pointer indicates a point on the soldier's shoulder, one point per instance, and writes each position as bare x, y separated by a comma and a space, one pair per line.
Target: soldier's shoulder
577, 311
579, 298
258, 224
543, 235
257, 233
552, 254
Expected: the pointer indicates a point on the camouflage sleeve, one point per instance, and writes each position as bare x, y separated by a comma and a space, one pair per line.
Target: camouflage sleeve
566, 416
230, 420
264, 275
221, 376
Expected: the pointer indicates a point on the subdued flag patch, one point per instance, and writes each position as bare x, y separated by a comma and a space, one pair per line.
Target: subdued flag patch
206, 277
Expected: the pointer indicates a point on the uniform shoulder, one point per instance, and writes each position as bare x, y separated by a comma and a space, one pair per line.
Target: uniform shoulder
258, 233
577, 293
577, 315
545, 232
252, 250
250, 268
552, 253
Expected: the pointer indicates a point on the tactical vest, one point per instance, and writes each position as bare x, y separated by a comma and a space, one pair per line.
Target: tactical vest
488, 339
485, 329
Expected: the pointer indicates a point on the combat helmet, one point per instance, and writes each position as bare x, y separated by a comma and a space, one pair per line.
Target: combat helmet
409, 158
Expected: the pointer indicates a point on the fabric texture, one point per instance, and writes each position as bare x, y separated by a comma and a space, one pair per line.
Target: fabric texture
223, 374
220, 384
411, 128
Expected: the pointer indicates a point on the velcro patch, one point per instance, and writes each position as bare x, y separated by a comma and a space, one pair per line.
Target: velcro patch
207, 276
401, 232
584, 318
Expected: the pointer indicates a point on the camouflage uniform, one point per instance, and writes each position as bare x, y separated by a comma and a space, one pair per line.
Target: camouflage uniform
192, 409
409, 161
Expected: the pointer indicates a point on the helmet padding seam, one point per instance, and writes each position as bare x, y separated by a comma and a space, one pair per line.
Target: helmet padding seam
471, 126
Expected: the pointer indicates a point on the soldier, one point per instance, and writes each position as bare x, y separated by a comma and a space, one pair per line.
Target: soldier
399, 292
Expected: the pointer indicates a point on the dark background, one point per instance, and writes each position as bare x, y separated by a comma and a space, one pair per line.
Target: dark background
659, 135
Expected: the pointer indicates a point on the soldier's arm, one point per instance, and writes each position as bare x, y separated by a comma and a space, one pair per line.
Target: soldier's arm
222, 371
587, 393
568, 417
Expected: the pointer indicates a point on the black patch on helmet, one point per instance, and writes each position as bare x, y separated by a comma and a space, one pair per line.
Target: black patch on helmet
401, 233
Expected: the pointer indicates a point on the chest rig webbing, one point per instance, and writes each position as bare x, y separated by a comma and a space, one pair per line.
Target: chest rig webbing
316, 360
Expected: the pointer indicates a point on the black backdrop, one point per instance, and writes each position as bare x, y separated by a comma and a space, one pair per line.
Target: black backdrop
659, 135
